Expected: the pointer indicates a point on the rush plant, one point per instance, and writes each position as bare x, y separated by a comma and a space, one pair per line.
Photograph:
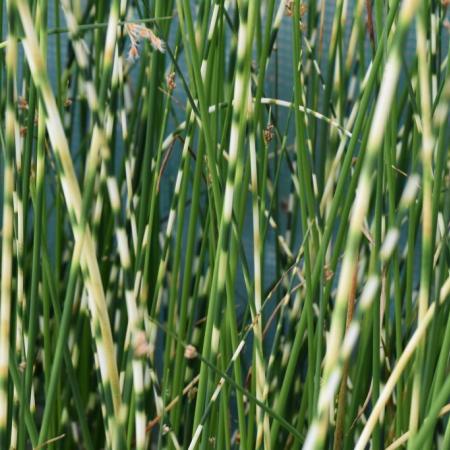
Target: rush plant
225, 224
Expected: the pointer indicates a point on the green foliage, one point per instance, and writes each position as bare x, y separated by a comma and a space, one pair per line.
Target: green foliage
192, 260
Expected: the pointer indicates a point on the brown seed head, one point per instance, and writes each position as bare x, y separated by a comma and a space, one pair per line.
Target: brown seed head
170, 80
268, 133
22, 103
289, 8
327, 273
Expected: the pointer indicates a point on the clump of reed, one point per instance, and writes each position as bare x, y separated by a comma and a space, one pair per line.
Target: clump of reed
197, 254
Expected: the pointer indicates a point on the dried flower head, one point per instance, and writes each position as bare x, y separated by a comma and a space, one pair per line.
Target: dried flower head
289, 8
67, 103
136, 33
22, 103
133, 53
170, 80
327, 273
268, 133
